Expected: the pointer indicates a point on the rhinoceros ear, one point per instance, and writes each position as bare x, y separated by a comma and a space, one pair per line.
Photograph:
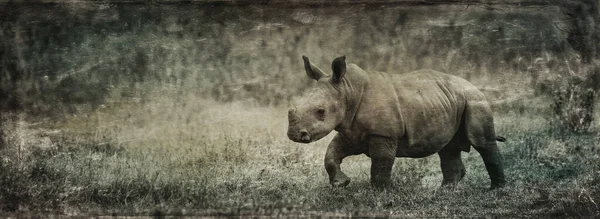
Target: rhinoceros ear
339, 68
312, 71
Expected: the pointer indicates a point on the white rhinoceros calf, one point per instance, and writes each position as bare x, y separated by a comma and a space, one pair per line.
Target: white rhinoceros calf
386, 116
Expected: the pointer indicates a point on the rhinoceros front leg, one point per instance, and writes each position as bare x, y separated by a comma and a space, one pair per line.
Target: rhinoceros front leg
382, 151
336, 152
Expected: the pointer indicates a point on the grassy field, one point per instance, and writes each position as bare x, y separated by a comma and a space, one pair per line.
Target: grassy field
186, 155
181, 109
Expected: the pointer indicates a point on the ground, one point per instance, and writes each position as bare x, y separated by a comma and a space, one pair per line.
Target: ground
193, 156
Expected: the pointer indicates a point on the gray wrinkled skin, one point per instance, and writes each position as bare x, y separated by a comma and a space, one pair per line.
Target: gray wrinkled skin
385, 116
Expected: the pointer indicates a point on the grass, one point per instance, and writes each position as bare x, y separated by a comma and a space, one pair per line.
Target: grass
189, 155
117, 118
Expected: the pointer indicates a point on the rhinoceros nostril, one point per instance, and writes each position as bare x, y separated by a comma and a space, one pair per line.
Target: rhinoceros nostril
303, 133
304, 136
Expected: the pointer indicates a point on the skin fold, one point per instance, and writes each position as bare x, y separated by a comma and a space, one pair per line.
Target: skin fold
385, 116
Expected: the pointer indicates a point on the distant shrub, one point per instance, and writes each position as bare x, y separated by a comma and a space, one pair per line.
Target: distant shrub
573, 100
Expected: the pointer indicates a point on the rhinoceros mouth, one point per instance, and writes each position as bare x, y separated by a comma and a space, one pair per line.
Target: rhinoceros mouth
306, 141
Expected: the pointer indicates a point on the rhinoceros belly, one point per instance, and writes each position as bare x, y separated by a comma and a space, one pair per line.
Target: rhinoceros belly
422, 147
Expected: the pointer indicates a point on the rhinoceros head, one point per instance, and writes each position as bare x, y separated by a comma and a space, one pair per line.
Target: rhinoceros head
322, 108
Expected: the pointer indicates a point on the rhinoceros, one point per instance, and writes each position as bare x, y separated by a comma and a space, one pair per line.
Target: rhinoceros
385, 116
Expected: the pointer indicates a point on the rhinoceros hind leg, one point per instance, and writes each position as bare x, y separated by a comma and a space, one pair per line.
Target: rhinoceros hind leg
452, 166
481, 134
493, 163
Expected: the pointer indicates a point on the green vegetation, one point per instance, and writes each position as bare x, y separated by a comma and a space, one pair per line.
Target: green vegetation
140, 109
193, 154
56, 56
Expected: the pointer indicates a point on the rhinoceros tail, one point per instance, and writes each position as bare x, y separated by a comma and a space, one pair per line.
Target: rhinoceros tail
500, 139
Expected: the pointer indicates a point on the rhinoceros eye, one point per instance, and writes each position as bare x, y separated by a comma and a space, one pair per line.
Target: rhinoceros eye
321, 114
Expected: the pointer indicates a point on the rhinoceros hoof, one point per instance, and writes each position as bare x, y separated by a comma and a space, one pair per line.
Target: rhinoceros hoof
340, 182
497, 185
